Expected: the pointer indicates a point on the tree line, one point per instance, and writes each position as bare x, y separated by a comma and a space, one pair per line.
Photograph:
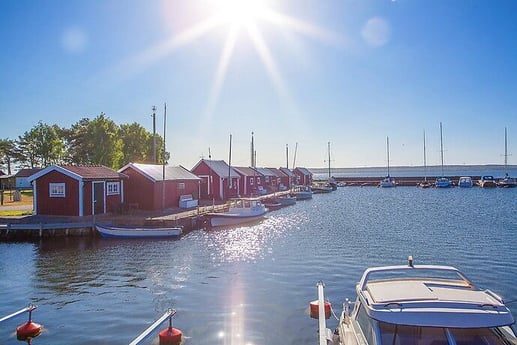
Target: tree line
88, 142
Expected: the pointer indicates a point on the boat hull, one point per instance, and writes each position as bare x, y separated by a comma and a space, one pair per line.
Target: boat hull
137, 232
285, 201
227, 219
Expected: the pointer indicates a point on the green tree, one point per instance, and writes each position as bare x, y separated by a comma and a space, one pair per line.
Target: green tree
8, 154
135, 143
41, 146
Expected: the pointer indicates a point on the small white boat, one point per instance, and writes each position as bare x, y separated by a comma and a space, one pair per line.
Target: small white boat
487, 181
321, 188
285, 200
465, 182
241, 211
443, 182
302, 192
417, 304
388, 181
137, 232
507, 182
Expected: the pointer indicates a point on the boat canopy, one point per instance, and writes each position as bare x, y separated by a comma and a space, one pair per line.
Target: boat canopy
428, 295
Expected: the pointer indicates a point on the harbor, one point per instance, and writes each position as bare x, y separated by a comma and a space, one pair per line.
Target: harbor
251, 284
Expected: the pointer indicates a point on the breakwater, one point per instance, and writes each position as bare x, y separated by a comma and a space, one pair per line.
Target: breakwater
408, 181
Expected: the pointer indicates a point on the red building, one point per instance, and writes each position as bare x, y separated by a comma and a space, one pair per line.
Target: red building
77, 190
218, 180
149, 189
303, 176
291, 177
269, 180
282, 180
250, 181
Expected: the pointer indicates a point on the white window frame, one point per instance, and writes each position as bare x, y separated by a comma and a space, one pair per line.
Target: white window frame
181, 185
57, 189
113, 188
252, 181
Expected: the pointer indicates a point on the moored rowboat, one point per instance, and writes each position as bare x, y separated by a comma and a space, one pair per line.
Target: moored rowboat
137, 232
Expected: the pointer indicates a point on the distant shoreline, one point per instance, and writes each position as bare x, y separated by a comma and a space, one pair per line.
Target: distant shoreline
496, 170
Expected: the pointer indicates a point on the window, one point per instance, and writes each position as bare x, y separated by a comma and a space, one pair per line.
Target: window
252, 180
57, 190
366, 325
181, 185
113, 188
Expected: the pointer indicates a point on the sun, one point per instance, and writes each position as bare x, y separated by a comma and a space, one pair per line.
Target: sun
240, 13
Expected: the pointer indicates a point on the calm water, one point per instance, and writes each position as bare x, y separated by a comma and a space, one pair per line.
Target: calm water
252, 285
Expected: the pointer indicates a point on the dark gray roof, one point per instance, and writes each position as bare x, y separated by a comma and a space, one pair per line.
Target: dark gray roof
265, 172
247, 171
154, 172
288, 172
220, 168
277, 172
304, 171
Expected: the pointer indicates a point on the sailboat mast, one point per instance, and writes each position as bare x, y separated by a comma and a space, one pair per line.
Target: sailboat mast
294, 159
329, 157
425, 161
388, 153
230, 164
441, 146
252, 151
505, 150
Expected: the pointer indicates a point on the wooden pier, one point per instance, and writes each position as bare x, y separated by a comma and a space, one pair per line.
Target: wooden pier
40, 226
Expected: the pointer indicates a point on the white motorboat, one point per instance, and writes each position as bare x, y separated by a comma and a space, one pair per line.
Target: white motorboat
418, 304
465, 182
285, 200
507, 182
240, 211
302, 192
137, 231
388, 181
487, 181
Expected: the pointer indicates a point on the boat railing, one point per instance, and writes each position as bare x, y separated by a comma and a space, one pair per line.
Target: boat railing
28, 308
167, 315
322, 323
388, 272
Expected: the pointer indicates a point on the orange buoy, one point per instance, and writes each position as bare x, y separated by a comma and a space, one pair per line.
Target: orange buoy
28, 330
314, 309
170, 336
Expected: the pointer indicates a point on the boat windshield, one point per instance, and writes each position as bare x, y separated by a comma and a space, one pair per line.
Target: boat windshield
392, 334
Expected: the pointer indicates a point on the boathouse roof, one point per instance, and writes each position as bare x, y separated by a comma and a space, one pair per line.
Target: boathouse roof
81, 172
154, 172
27, 172
247, 171
303, 171
288, 172
277, 172
266, 172
220, 168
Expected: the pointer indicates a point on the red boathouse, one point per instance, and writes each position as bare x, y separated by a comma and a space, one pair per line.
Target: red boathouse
69, 190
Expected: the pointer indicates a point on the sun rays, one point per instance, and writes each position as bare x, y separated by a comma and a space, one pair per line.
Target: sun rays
240, 19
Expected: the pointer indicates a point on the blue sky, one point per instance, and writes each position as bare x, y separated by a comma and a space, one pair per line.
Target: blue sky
349, 72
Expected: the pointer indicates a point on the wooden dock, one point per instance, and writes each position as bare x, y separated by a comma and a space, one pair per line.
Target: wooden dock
38, 227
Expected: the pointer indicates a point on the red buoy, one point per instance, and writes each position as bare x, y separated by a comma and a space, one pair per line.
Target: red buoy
28, 330
314, 309
170, 336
